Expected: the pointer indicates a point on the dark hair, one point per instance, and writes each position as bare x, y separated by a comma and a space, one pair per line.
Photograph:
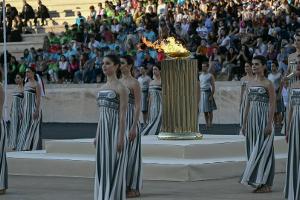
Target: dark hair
34, 71
262, 59
114, 58
158, 65
248, 63
128, 59
31, 69
22, 77
1, 74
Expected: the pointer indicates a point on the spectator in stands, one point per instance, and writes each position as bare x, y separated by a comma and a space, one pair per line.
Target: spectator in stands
80, 19
101, 10
230, 63
63, 66
27, 59
98, 75
161, 8
73, 67
27, 12
81, 75
42, 13
13, 69
41, 66
11, 14
93, 14
18, 24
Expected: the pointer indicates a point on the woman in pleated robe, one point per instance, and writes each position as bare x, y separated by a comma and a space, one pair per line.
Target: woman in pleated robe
134, 163
292, 181
259, 130
112, 100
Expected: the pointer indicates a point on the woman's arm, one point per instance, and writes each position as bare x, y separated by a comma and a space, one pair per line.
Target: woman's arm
272, 104
122, 115
288, 124
242, 93
35, 115
212, 81
38, 97
280, 88
246, 112
233, 58
137, 110
1, 101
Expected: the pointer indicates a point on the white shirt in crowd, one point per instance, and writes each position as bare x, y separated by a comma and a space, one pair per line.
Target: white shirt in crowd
261, 50
148, 6
63, 65
179, 17
115, 28
162, 9
202, 32
94, 44
226, 42
184, 28
285, 96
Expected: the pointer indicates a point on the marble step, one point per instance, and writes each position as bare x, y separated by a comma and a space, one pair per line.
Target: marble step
40, 163
212, 146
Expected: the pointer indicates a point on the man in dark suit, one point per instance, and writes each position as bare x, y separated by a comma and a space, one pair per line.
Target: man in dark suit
27, 12
11, 14
42, 13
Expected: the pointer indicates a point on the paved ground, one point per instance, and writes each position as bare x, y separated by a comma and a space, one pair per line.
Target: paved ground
81, 130
53, 188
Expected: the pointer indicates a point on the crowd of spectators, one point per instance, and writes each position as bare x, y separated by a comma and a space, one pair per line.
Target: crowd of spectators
227, 33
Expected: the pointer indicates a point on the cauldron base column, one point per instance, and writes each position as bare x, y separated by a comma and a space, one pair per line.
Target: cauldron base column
180, 96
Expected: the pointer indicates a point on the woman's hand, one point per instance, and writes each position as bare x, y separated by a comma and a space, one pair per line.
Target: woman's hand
287, 138
132, 134
95, 142
120, 146
35, 115
242, 131
268, 130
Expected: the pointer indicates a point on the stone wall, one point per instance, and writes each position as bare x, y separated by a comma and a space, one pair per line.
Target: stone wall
77, 103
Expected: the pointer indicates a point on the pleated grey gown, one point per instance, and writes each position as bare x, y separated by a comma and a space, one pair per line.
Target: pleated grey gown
15, 119
30, 131
134, 164
206, 104
144, 84
110, 179
3, 163
292, 182
260, 167
243, 102
155, 113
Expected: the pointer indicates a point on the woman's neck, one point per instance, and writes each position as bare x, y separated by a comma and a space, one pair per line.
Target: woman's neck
259, 77
20, 85
157, 78
274, 72
249, 75
111, 78
126, 75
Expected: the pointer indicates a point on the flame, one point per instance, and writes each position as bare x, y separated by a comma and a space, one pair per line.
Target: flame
169, 46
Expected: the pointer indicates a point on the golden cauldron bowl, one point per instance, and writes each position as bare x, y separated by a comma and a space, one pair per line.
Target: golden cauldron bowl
178, 54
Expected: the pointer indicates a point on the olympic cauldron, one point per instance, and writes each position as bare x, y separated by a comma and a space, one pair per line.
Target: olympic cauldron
180, 93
